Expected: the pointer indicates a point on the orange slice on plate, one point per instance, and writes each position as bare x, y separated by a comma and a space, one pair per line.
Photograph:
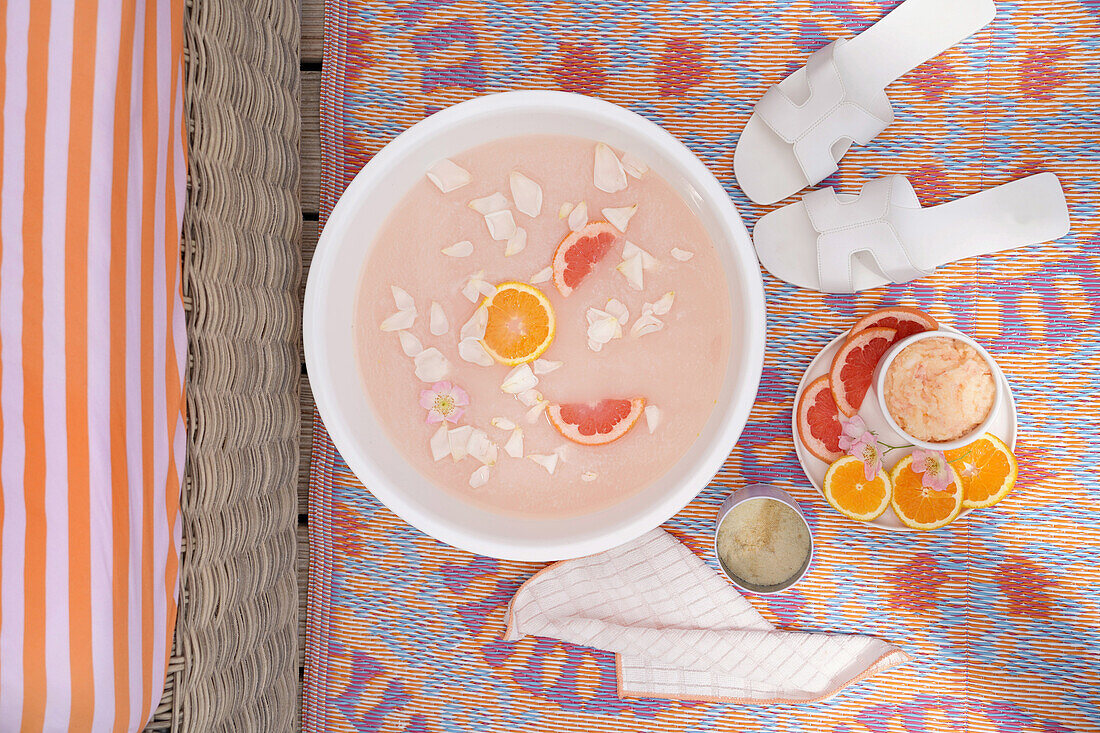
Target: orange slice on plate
579, 252
854, 365
848, 490
906, 321
520, 323
920, 507
596, 423
987, 470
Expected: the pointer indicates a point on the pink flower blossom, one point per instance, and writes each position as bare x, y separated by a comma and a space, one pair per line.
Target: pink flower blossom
934, 467
444, 401
857, 441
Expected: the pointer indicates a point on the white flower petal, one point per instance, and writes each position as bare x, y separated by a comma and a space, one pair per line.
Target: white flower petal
472, 350
545, 366
542, 276
501, 224
480, 448
410, 344
619, 217
465, 248
547, 461
516, 242
664, 303
486, 288
473, 287
578, 217
607, 172
589, 476
399, 321
634, 165
529, 397
402, 299
475, 327
431, 365
617, 309
605, 329
514, 445
457, 438
632, 270
647, 323
437, 320
502, 423
489, 204
479, 478
649, 262
526, 193
594, 345
595, 314
448, 175
536, 410
440, 443
652, 417
564, 209
682, 254
519, 380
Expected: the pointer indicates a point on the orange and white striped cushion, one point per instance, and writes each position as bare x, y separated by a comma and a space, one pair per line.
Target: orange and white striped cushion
92, 345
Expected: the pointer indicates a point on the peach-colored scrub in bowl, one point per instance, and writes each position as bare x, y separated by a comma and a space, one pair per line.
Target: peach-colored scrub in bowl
678, 369
939, 389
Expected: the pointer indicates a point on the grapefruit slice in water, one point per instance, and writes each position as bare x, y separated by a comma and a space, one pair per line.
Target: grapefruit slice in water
903, 319
596, 423
854, 365
579, 252
819, 421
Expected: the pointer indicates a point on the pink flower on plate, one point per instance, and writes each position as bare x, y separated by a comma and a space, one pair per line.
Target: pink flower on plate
934, 467
444, 401
857, 441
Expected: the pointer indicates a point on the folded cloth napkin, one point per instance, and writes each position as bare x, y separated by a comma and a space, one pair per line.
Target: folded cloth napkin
681, 631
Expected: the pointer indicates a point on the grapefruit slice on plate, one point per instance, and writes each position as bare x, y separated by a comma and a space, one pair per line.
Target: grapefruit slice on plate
819, 425
596, 423
579, 252
853, 366
519, 325
905, 320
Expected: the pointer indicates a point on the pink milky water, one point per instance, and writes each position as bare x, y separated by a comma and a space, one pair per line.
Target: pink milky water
679, 369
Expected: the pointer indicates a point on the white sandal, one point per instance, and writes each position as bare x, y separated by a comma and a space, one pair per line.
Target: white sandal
802, 127
839, 243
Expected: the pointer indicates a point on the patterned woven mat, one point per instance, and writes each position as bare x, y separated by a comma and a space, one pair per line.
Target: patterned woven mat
999, 610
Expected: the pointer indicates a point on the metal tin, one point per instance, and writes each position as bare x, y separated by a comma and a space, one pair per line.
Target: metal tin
760, 492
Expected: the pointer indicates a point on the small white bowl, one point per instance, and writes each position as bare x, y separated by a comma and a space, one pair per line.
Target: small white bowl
761, 492
884, 366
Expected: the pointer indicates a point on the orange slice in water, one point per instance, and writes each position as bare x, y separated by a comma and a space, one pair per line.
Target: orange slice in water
596, 423
987, 470
520, 323
920, 507
579, 252
848, 490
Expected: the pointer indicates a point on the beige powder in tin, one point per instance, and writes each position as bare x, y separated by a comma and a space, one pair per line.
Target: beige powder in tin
763, 542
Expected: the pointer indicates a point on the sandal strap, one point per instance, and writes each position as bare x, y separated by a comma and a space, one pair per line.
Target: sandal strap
862, 225
832, 114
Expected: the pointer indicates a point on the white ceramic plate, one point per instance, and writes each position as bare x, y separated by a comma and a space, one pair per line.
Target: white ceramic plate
1003, 426
333, 363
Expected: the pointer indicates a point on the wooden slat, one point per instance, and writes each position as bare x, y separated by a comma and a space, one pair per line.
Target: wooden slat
310, 148
313, 30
